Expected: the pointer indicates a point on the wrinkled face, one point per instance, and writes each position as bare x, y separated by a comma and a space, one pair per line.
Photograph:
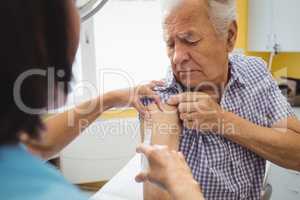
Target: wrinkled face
196, 51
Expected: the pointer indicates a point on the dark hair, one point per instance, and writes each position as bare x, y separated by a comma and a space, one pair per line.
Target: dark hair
33, 36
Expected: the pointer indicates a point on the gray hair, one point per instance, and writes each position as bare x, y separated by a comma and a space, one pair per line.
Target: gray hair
221, 13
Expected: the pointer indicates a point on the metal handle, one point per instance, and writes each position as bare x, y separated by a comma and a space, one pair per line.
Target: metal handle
91, 8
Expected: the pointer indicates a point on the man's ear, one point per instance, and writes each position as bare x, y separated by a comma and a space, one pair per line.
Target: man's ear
232, 36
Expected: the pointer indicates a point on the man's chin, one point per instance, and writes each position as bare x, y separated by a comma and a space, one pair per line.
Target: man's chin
198, 86
190, 85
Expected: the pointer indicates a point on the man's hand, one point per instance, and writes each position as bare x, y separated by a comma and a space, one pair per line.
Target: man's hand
198, 111
168, 170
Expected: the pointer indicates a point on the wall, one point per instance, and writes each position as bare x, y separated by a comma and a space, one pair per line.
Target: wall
104, 148
289, 60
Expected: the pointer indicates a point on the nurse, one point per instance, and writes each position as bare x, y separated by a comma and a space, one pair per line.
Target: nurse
38, 37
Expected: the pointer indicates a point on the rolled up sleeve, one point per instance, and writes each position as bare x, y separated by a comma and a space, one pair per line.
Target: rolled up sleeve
279, 108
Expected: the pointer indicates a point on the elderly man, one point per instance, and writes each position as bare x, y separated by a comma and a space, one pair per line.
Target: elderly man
234, 115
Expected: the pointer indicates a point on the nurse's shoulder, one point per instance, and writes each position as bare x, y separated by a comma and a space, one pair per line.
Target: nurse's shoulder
26, 177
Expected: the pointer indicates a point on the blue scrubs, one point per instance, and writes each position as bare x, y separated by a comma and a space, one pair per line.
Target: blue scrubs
26, 177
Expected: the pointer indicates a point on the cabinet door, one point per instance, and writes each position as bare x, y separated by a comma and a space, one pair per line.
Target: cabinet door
259, 25
286, 24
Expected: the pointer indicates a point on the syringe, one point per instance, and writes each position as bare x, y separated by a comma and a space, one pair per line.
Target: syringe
147, 142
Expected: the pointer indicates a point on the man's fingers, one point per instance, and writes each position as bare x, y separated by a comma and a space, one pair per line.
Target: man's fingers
177, 99
190, 116
141, 177
187, 97
187, 107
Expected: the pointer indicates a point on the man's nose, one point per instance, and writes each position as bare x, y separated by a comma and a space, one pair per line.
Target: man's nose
180, 55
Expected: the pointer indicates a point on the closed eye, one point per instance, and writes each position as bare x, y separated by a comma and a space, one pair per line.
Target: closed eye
191, 42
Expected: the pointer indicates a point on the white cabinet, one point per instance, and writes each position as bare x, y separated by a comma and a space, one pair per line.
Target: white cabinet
272, 22
259, 25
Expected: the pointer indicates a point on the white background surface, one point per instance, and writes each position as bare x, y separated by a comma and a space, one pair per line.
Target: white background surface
129, 41
274, 21
100, 151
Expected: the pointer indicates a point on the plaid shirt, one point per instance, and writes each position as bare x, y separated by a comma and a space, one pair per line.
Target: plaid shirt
226, 170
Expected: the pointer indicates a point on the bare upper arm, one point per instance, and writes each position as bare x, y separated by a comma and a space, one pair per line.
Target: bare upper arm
166, 129
165, 126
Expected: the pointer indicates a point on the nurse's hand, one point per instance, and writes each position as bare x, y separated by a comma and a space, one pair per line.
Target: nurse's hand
169, 170
131, 97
